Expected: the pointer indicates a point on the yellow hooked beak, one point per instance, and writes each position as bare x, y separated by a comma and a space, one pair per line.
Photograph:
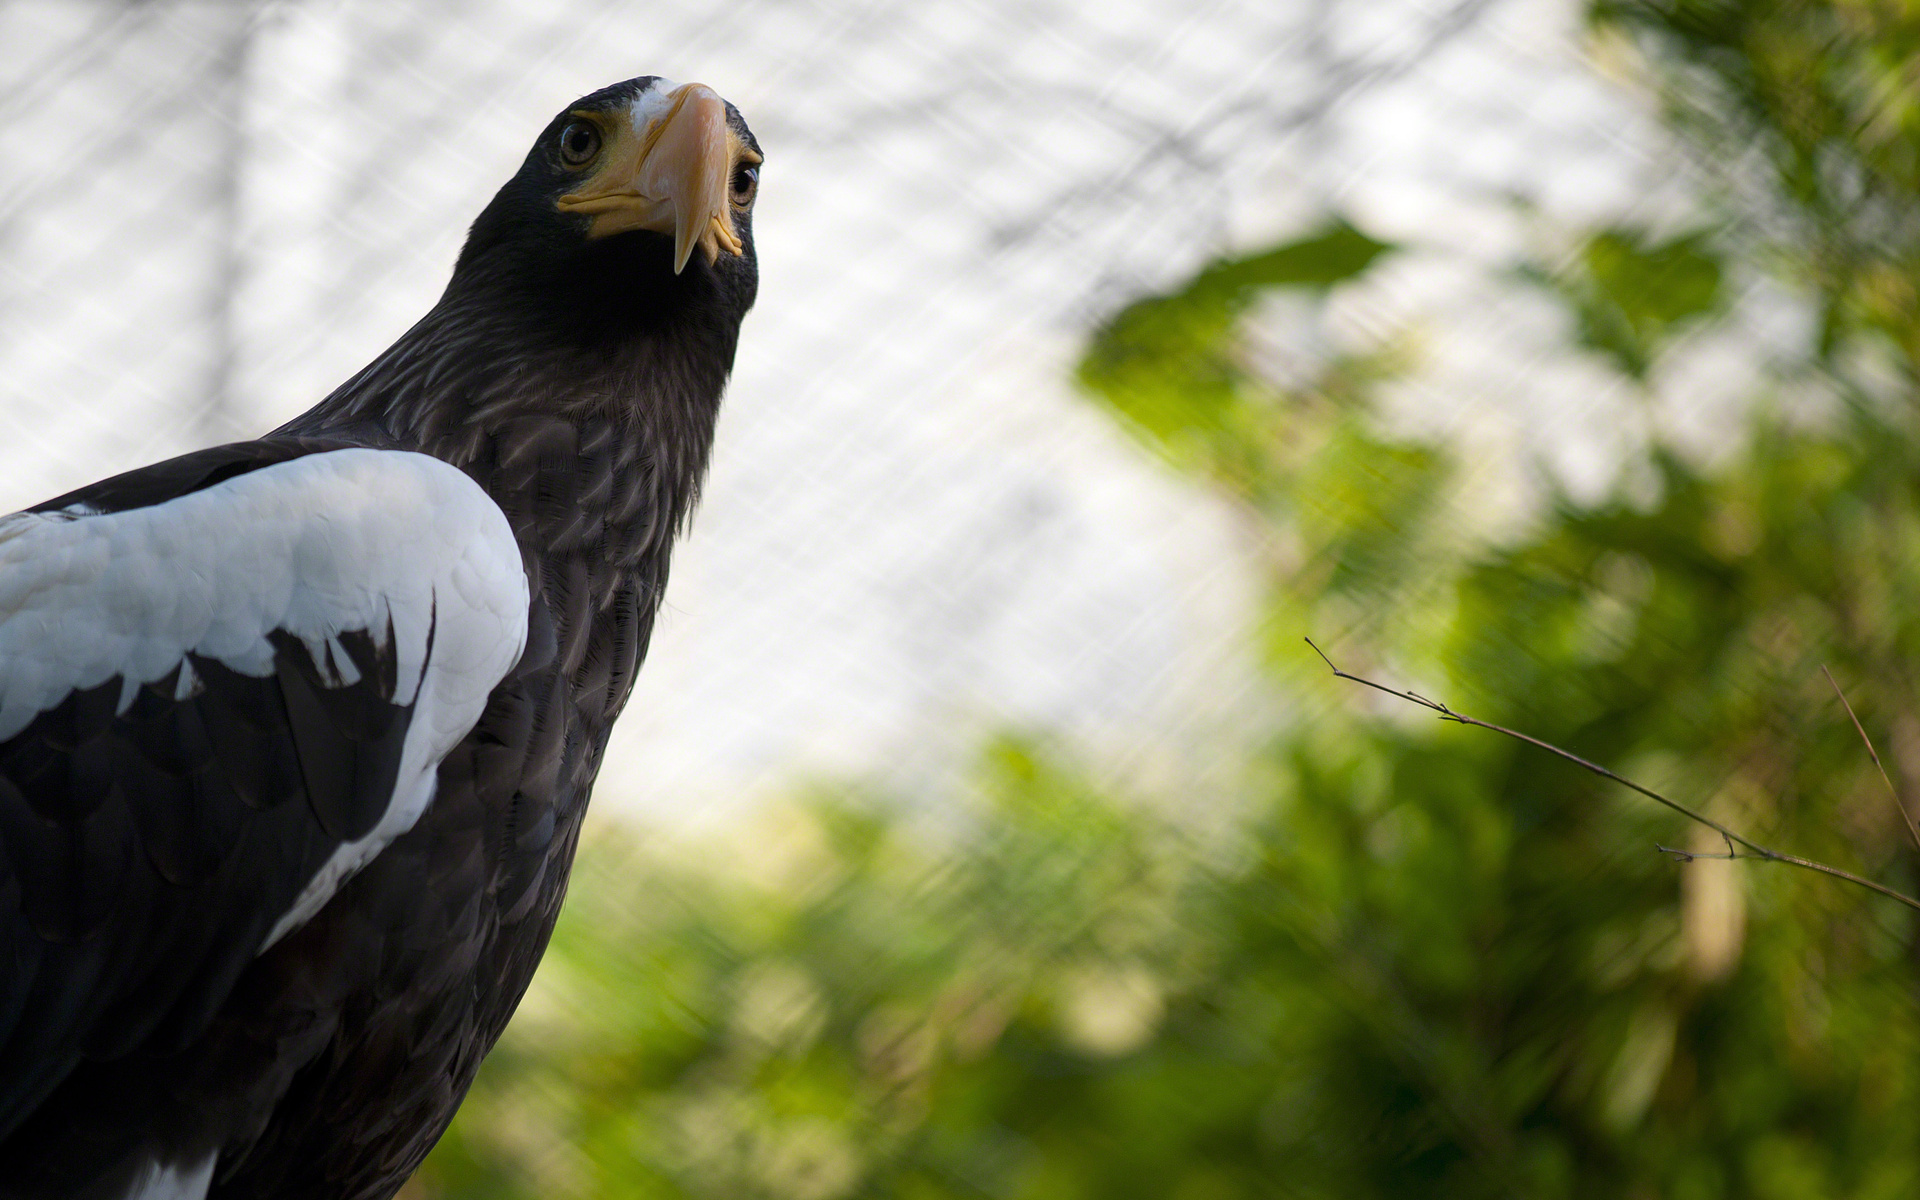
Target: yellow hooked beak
668, 172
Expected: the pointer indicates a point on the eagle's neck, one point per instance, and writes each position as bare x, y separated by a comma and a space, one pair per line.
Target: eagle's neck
626, 399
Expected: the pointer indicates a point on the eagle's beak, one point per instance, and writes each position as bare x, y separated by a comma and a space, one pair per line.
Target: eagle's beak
668, 172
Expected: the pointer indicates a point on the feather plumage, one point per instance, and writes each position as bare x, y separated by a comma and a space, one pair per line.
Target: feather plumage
296, 735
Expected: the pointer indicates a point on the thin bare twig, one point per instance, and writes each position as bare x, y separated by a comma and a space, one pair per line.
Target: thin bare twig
1873, 754
1735, 842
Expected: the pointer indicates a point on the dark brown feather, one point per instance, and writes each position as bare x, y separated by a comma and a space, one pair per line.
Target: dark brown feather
577, 382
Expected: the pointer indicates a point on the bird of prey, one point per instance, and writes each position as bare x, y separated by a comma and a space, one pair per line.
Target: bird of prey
296, 734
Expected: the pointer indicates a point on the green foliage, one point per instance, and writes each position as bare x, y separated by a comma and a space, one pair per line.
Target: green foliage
1632, 298
1822, 96
1170, 365
1434, 964
1426, 961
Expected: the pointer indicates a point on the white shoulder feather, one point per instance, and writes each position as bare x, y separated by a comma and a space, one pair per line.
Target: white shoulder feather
320, 545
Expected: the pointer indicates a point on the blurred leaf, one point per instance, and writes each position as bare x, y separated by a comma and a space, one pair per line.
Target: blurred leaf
1335, 255
1810, 111
1170, 364
1631, 297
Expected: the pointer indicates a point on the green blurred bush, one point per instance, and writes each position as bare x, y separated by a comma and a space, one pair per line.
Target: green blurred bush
1428, 962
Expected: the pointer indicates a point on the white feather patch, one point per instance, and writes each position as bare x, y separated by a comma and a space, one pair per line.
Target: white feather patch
650, 105
188, 1182
317, 546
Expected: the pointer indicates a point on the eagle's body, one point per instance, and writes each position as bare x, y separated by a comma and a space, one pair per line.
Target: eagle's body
296, 735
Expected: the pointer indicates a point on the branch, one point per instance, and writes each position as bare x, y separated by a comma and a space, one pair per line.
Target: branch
1873, 754
1735, 842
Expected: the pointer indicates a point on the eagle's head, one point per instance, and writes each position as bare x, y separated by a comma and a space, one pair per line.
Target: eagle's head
634, 207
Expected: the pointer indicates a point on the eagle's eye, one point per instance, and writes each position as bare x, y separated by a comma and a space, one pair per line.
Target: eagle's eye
745, 180
579, 142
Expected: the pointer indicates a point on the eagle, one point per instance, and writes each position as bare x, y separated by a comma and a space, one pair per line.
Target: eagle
296, 734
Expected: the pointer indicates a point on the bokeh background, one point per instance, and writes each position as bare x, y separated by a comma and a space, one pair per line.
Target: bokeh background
981, 825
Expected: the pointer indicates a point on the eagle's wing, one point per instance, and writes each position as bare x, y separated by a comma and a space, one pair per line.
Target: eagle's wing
226, 682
